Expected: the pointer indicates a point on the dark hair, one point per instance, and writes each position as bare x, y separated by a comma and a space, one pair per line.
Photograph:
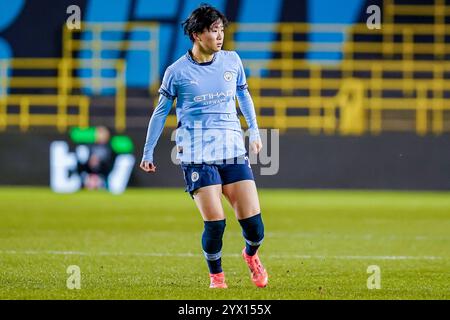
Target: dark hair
202, 18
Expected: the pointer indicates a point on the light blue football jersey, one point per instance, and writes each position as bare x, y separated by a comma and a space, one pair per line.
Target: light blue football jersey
208, 125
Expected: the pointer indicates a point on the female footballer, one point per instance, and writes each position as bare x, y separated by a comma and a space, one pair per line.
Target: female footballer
205, 83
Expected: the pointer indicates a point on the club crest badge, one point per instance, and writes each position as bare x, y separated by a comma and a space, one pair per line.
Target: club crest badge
194, 176
228, 76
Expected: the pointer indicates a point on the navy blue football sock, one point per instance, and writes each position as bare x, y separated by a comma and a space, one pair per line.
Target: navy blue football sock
253, 232
212, 244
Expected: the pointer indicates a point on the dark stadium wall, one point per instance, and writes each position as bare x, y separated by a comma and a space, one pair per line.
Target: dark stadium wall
389, 161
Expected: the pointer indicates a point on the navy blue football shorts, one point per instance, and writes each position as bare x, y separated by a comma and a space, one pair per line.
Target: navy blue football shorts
198, 175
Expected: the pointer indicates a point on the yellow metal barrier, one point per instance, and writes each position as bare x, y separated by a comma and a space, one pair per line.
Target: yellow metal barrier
379, 88
59, 99
287, 47
97, 39
374, 94
25, 118
351, 100
64, 87
395, 90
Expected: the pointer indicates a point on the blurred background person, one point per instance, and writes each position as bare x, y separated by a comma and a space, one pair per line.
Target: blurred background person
94, 172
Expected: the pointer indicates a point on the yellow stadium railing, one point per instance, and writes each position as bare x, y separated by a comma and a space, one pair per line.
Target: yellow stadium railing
57, 101
392, 79
24, 119
435, 9
286, 46
410, 94
98, 38
359, 102
61, 90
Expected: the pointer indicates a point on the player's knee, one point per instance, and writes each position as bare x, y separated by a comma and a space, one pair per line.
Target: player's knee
253, 229
212, 235
215, 229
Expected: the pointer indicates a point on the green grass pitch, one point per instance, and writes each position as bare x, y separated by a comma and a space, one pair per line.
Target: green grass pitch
145, 244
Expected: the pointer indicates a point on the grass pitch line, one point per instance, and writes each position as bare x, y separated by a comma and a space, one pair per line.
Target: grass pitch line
193, 255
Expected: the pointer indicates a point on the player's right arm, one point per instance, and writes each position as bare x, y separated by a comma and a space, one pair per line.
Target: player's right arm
155, 127
156, 124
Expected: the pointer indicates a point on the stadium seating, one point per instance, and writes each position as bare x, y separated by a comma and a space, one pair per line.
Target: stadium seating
396, 78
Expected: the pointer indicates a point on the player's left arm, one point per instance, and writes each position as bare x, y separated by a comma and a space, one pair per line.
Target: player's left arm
247, 107
248, 110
